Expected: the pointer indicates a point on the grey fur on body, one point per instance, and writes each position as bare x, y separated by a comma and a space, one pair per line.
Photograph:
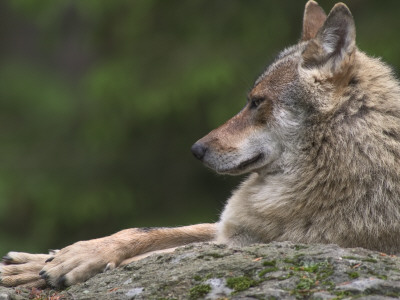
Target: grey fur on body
335, 176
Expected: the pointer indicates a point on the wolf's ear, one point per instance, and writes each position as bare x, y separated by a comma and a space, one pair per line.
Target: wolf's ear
314, 18
334, 42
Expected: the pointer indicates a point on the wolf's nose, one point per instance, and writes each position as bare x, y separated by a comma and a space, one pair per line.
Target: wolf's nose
199, 150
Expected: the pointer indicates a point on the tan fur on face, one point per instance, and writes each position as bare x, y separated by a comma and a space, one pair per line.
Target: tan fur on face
275, 80
246, 142
227, 137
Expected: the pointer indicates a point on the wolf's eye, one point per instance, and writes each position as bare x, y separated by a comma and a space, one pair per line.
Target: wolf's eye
255, 102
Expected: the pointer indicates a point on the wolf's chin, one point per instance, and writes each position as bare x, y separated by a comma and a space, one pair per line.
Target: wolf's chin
244, 167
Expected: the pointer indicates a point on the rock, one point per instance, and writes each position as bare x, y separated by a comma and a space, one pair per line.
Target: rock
4, 296
263, 271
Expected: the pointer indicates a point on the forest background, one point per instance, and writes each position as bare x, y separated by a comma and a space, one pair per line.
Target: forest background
101, 100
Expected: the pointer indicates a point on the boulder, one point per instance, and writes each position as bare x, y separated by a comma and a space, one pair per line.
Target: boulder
262, 271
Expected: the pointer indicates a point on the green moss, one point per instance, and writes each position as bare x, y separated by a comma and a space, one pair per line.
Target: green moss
214, 254
197, 278
305, 283
311, 276
341, 295
353, 275
271, 263
322, 269
369, 259
384, 277
199, 291
313, 268
240, 283
267, 270
351, 257
292, 261
329, 284
325, 270
299, 247
393, 295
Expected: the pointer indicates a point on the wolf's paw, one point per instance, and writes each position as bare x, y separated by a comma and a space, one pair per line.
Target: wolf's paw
78, 262
22, 269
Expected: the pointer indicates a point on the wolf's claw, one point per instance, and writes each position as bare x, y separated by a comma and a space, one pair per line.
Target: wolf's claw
61, 282
6, 259
43, 275
49, 259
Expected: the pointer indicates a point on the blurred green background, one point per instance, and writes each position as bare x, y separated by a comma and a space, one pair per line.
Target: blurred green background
101, 100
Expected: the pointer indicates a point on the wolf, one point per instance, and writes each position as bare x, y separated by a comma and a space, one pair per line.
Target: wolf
319, 136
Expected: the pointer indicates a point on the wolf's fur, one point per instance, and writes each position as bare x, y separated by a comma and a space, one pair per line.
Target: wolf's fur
320, 136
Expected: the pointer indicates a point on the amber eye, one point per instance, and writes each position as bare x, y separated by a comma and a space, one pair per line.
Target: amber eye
255, 102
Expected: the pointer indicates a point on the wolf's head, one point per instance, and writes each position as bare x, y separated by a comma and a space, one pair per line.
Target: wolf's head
306, 81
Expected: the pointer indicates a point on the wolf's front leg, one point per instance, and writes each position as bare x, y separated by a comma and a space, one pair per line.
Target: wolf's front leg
82, 260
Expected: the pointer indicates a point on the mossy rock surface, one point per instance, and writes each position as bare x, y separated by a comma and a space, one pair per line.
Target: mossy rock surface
265, 271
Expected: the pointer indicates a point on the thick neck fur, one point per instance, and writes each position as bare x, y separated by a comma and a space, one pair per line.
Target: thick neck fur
356, 144
339, 180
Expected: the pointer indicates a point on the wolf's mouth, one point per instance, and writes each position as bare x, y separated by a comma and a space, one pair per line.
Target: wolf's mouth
250, 161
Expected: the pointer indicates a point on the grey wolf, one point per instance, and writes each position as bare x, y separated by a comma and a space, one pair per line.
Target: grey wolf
320, 137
